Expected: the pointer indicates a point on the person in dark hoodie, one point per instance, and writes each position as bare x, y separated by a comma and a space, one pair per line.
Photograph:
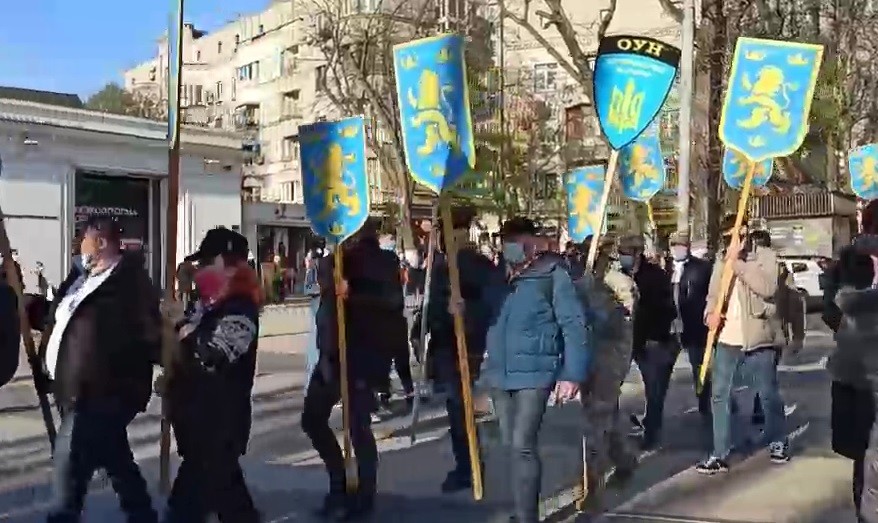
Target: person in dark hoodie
105, 339
537, 347
478, 275
654, 350
850, 304
373, 298
211, 383
10, 331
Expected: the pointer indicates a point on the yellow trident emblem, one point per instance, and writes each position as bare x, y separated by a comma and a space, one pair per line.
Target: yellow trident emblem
625, 107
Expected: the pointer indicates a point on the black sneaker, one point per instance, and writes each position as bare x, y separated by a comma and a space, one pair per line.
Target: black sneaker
779, 452
334, 508
711, 466
457, 481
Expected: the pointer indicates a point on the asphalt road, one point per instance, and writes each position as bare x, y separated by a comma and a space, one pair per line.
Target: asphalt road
288, 482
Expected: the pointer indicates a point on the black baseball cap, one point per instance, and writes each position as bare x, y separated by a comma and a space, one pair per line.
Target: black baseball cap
218, 242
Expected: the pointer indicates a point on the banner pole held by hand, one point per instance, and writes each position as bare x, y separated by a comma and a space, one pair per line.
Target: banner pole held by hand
602, 211
727, 275
462, 354
423, 349
351, 476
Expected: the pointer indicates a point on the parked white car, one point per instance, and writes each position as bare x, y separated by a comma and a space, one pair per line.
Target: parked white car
806, 277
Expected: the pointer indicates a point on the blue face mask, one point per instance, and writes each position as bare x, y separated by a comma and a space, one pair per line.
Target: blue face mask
626, 261
513, 253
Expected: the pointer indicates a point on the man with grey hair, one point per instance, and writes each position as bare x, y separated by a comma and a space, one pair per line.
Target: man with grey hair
690, 281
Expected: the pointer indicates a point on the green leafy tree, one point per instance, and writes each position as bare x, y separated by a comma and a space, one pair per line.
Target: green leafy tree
112, 98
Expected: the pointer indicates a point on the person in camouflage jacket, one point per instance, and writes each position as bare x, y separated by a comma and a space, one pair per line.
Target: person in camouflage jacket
611, 297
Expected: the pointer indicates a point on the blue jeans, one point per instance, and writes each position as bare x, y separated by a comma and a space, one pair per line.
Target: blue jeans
95, 436
757, 369
520, 414
312, 354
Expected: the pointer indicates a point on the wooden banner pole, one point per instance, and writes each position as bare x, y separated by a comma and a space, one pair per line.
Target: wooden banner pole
462, 353
351, 476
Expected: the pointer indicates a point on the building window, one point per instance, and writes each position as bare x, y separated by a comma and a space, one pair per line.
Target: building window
249, 72
234, 89
545, 77
320, 80
199, 95
290, 107
290, 148
219, 48
219, 91
237, 41
261, 29
197, 56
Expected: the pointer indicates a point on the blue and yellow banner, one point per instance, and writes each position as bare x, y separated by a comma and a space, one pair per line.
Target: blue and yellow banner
642, 166
735, 167
863, 165
771, 85
333, 159
434, 110
175, 66
633, 76
584, 187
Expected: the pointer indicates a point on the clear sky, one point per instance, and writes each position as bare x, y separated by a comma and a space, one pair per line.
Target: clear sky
77, 46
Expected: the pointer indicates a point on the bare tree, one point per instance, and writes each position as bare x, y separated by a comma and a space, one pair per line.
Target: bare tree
575, 61
519, 160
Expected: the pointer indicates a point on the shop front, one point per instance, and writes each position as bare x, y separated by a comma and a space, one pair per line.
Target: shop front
76, 164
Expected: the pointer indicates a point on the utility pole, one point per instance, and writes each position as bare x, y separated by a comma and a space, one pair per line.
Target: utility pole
686, 92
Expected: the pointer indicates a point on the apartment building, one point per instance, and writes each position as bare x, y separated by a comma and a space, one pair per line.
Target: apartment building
256, 76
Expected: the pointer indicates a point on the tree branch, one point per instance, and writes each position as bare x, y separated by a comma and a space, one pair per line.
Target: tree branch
672, 10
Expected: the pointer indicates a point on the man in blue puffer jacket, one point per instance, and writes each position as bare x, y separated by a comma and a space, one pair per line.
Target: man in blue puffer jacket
537, 346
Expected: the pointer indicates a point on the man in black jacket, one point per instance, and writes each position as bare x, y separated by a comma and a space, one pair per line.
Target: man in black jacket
477, 274
372, 293
690, 280
10, 333
654, 350
105, 339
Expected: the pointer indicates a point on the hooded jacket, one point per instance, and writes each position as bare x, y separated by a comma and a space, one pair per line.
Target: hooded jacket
538, 332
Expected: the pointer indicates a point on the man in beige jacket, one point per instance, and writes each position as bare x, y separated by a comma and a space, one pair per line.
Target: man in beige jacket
747, 344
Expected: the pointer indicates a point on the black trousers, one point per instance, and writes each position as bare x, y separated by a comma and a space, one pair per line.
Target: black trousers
211, 485
321, 398
94, 436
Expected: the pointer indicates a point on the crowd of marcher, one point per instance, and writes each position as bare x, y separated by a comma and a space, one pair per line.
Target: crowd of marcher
540, 328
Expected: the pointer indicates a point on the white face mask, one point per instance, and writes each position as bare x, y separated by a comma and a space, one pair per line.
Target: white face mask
699, 253
679, 252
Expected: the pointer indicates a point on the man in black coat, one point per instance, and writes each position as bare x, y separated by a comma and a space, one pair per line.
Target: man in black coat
10, 333
654, 349
372, 292
690, 281
477, 275
99, 358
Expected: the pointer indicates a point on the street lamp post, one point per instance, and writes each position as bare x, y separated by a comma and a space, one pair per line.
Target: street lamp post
685, 126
